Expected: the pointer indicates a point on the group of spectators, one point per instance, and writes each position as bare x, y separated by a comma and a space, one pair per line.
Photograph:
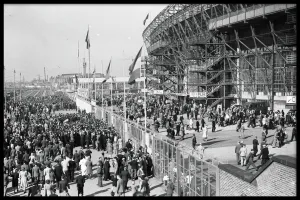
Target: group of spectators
39, 150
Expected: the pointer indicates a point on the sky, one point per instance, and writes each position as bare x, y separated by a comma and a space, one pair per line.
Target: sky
38, 36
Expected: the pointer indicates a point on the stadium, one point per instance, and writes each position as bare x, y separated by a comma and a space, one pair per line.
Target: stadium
222, 54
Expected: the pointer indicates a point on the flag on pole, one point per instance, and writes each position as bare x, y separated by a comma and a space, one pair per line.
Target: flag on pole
87, 40
131, 68
146, 19
107, 73
135, 75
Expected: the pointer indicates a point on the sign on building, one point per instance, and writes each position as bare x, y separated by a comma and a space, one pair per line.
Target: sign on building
291, 99
197, 94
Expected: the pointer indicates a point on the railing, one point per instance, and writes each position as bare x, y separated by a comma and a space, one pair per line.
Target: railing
291, 59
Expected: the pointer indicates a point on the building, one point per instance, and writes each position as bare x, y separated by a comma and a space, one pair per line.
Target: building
220, 54
114, 84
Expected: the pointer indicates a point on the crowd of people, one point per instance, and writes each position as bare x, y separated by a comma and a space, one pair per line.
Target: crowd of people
39, 154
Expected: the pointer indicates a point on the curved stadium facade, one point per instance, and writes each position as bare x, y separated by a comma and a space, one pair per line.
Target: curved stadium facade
224, 53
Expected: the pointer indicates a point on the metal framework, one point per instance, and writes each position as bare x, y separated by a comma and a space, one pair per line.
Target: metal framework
228, 51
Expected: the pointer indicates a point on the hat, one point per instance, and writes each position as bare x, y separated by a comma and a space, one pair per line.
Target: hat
242, 142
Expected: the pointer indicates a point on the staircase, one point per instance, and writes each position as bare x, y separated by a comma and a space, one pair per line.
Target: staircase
211, 90
216, 102
214, 76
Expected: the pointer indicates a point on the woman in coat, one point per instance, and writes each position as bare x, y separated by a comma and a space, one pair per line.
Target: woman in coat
113, 167
89, 167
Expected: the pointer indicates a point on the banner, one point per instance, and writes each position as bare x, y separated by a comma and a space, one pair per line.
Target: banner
158, 92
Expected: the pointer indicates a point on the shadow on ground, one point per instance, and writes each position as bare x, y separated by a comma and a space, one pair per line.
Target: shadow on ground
98, 192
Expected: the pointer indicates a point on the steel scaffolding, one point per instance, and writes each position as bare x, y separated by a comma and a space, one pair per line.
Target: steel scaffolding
223, 51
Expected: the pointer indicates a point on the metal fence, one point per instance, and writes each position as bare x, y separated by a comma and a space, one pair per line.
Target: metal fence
191, 175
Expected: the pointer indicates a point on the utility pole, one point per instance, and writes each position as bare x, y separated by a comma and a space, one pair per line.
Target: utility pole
14, 86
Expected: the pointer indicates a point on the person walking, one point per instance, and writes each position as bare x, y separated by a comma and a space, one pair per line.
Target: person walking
125, 176
15, 178
71, 169
106, 169
89, 167
114, 185
237, 152
250, 160
255, 144
200, 150
145, 188
264, 154
170, 188
23, 179
204, 135
120, 187
76, 158
197, 126
294, 132
80, 180
243, 153
5, 184
194, 142
63, 187
100, 174
58, 172
213, 123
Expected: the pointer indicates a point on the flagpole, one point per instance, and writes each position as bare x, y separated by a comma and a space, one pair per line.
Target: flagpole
89, 60
95, 81
124, 95
14, 86
102, 88
111, 90
145, 95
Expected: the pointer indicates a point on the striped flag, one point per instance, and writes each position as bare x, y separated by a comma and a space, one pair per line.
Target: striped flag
146, 19
87, 40
132, 66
